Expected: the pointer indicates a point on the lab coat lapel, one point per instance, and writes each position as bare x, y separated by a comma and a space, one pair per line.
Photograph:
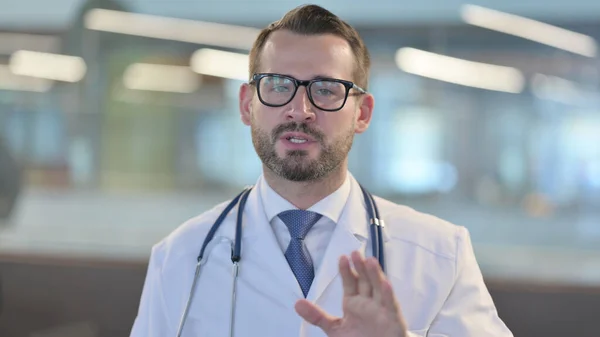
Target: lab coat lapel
350, 234
263, 255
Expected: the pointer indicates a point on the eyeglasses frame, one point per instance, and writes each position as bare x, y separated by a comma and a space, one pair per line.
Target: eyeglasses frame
256, 78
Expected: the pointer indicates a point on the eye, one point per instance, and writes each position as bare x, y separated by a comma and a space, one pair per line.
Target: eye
281, 88
327, 88
324, 92
278, 84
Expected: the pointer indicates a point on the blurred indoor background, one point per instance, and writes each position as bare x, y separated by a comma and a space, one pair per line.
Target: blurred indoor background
119, 121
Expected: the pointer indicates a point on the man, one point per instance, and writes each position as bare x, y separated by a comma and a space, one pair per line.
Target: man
305, 225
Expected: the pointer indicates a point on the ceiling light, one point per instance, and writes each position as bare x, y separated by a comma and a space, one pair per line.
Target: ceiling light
49, 66
220, 64
459, 71
530, 29
221, 35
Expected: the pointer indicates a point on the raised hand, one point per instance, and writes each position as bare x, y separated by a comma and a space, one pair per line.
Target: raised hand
370, 308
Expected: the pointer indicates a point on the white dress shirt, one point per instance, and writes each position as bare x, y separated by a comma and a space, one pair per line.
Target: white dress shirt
318, 237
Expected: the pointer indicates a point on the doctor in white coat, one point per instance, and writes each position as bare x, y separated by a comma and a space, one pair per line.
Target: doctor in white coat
304, 104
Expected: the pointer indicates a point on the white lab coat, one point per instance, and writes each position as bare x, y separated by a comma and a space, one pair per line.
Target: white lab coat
430, 263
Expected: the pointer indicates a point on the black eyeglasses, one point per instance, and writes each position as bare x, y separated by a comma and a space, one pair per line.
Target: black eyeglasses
327, 94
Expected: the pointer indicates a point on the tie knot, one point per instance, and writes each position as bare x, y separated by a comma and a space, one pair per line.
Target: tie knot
299, 222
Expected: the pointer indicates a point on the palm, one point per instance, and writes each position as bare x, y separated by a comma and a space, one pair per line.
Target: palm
369, 306
364, 317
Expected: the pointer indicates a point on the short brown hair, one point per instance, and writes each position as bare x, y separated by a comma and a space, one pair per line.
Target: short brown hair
315, 20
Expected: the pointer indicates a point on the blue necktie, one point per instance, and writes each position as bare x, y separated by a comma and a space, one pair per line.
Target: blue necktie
299, 222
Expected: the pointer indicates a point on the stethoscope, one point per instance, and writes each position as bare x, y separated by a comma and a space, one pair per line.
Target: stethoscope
375, 224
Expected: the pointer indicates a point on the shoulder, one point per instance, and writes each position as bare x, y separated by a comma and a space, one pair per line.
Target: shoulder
188, 237
421, 231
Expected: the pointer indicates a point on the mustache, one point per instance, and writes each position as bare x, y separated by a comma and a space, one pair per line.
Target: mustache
297, 127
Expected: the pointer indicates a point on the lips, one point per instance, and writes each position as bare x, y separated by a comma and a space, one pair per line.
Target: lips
294, 133
297, 137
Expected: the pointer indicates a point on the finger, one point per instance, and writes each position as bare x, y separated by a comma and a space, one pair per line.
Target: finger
376, 278
364, 285
349, 277
388, 298
315, 315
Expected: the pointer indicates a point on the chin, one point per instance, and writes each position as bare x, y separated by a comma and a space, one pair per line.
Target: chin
303, 155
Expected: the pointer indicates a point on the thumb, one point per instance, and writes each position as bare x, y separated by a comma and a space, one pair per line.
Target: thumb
315, 315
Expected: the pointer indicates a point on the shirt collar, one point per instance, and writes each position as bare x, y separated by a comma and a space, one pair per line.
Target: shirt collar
330, 206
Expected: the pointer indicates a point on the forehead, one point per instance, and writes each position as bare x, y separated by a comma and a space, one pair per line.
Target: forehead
307, 56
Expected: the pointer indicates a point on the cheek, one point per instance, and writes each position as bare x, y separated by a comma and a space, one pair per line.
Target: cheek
267, 117
264, 121
334, 123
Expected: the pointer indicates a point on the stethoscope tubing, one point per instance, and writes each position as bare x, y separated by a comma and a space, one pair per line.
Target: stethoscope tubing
375, 224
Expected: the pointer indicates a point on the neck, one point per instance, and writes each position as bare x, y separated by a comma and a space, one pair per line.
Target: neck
304, 194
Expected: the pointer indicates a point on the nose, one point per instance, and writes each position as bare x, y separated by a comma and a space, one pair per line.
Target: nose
300, 109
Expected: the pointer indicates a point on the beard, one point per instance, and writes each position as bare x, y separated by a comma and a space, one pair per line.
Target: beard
296, 164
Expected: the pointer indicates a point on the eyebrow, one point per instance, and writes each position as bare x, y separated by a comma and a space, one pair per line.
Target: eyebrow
322, 76
316, 77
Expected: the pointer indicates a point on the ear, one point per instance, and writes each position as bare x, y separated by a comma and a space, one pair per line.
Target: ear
365, 112
245, 98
